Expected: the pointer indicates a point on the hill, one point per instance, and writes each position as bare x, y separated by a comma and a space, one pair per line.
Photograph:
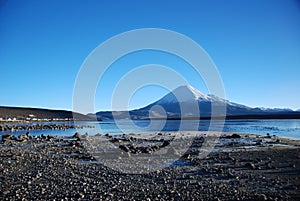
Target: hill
22, 113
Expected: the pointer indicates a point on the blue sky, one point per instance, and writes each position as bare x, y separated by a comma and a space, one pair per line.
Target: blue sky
254, 44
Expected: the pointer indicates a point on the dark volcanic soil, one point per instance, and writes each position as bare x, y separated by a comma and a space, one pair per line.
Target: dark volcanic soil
55, 168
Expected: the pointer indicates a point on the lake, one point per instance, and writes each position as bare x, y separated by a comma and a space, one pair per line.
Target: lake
284, 128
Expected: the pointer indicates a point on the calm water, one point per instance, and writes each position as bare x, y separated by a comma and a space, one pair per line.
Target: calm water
286, 128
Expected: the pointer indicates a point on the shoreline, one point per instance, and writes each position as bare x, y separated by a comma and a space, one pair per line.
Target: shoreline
51, 167
283, 128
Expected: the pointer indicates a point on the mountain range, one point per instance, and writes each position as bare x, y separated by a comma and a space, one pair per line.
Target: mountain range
186, 102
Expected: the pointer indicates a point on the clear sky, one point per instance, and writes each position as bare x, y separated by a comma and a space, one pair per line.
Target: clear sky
255, 45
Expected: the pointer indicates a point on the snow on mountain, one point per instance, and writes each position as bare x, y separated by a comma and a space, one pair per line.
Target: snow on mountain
187, 93
184, 93
276, 109
215, 98
188, 102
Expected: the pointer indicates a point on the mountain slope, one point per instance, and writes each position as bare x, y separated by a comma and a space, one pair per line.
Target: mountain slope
188, 102
188, 98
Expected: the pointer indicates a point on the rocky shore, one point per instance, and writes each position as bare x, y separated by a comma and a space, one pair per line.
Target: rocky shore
240, 167
53, 126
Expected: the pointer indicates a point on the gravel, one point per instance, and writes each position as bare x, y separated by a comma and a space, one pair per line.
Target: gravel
54, 168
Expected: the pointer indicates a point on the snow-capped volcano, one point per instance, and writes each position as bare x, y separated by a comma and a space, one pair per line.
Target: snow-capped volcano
184, 93
186, 101
187, 93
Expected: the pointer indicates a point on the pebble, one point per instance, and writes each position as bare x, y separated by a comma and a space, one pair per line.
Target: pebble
250, 165
60, 170
261, 197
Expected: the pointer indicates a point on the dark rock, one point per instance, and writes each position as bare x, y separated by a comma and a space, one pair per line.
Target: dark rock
98, 135
187, 156
6, 137
269, 166
261, 197
233, 159
49, 137
165, 143
148, 150
113, 140
21, 138
77, 135
259, 142
250, 165
79, 195
124, 148
292, 165
78, 144
233, 136
155, 147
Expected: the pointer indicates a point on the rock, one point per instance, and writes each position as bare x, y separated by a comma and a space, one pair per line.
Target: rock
155, 147
108, 135
113, 140
234, 135
269, 166
6, 137
78, 144
79, 195
50, 137
124, 148
261, 197
165, 143
86, 136
5, 192
21, 138
292, 165
148, 150
250, 165
186, 156
98, 135
77, 135
259, 142
233, 159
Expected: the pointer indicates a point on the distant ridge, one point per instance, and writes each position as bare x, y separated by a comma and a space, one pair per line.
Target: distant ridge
21, 113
